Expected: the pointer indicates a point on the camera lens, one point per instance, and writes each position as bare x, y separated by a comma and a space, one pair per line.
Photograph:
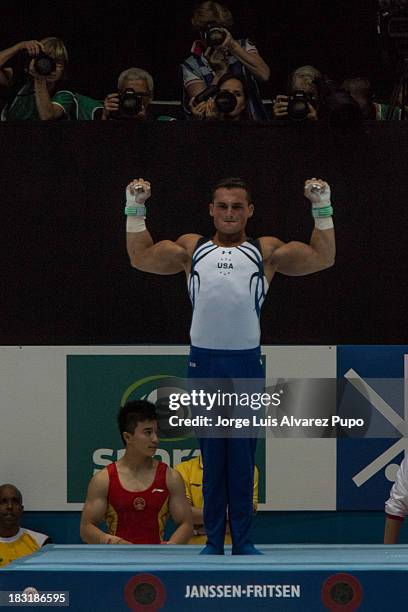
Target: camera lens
215, 37
44, 64
298, 108
225, 101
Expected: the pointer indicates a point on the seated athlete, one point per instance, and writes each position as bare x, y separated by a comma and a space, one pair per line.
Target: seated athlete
15, 541
228, 277
135, 494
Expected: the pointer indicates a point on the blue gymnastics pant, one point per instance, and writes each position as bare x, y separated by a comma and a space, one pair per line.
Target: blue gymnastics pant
229, 462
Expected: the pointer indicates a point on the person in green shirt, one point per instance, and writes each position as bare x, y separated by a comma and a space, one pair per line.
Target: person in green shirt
31, 95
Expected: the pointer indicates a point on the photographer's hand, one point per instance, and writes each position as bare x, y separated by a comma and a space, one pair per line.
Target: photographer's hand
110, 105
250, 59
198, 111
204, 110
229, 43
211, 111
312, 115
33, 47
280, 107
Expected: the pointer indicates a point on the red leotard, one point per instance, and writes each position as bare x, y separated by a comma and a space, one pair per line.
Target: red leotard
138, 516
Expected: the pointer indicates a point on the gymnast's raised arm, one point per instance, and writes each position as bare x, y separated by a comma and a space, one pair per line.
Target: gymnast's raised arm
164, 257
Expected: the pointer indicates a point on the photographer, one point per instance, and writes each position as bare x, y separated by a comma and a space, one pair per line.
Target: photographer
360, 89
301, 80
228, 104
141, 83
133, 98
216, 53
30, 74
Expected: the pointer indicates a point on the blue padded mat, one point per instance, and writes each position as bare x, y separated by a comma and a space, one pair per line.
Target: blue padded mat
303, 578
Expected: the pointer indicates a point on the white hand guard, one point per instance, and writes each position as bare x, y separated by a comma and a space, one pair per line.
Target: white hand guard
318, 192
137, 192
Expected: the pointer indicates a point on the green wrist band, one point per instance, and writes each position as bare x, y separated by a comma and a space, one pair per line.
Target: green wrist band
138, 211
322, 211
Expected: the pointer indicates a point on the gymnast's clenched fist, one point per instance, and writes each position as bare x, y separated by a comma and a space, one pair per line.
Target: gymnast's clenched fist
138, 191
317, 191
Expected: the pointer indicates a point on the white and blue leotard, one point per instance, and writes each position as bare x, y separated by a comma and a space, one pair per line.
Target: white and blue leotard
226, 285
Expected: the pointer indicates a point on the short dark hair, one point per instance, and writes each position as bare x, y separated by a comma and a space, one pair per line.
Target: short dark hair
134, 412
232, 183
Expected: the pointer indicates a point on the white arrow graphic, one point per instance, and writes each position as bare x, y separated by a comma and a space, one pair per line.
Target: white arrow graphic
390, 415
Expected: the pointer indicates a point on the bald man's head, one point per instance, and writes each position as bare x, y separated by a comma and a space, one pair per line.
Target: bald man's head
12, 488
11, 509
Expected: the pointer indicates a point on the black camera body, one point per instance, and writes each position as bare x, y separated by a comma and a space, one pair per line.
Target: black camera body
130, 103
214, 35
225, 101
44, 64
298, 106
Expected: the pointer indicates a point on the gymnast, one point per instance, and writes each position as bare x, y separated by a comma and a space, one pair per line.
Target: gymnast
228, 277
135, 494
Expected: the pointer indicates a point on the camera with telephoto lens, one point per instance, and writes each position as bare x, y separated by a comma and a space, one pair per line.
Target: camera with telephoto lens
225, 101
130, 103
214, 35
44, 64
298, 106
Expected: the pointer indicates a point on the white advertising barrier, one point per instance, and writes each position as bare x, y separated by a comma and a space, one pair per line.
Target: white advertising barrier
301, 472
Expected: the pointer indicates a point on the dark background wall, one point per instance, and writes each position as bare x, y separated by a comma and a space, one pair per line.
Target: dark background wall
105, 37
66, 277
